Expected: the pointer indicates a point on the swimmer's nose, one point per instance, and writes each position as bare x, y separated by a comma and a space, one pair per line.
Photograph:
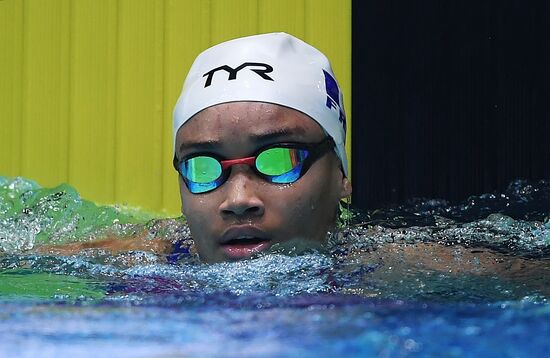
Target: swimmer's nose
242, 194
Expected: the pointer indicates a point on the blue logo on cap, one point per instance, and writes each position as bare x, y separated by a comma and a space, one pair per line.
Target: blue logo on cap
333, 97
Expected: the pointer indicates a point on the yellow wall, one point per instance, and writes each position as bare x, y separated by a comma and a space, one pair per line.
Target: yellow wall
87, 87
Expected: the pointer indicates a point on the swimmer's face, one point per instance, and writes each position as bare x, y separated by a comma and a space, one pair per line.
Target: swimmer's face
247, 214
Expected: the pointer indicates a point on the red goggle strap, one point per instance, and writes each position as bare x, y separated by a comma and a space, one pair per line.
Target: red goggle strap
229, 163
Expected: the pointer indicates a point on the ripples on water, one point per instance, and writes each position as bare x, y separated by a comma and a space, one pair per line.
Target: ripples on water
386, 284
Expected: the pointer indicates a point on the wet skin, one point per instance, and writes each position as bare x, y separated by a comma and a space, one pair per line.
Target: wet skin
248, 214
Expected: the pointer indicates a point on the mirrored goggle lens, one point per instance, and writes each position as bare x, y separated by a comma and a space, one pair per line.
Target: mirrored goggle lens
202, 169
281, 165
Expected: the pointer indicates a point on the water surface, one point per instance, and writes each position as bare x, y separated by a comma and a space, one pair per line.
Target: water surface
427, 278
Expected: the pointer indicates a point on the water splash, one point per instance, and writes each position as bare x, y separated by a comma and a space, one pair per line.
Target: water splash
514, 223
31, 215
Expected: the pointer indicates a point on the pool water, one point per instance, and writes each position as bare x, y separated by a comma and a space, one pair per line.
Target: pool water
427, 278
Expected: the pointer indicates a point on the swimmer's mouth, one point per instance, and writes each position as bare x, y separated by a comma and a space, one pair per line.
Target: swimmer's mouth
241, 234
243, 242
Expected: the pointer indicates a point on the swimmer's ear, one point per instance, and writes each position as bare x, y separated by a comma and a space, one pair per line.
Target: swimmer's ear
345, 188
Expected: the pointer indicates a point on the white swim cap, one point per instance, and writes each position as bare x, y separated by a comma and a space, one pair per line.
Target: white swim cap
274, 68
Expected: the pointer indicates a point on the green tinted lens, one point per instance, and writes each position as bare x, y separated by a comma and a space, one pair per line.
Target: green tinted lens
277, 161
201, 169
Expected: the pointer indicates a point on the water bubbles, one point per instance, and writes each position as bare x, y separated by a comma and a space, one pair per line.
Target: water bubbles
411, 345
273, 273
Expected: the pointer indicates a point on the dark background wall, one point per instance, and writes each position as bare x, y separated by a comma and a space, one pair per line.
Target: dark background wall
450, 98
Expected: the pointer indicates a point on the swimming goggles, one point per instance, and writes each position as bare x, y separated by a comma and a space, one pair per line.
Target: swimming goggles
281, 163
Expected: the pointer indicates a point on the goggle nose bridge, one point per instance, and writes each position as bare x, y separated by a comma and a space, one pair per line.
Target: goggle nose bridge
231, 162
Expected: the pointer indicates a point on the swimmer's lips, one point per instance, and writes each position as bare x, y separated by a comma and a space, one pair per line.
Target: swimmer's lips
238, 234
243, 242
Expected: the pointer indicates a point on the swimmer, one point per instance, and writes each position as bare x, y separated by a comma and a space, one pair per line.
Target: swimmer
259, 132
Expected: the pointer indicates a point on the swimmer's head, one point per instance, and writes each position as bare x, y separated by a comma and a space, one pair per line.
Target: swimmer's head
259, 135
272, 68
